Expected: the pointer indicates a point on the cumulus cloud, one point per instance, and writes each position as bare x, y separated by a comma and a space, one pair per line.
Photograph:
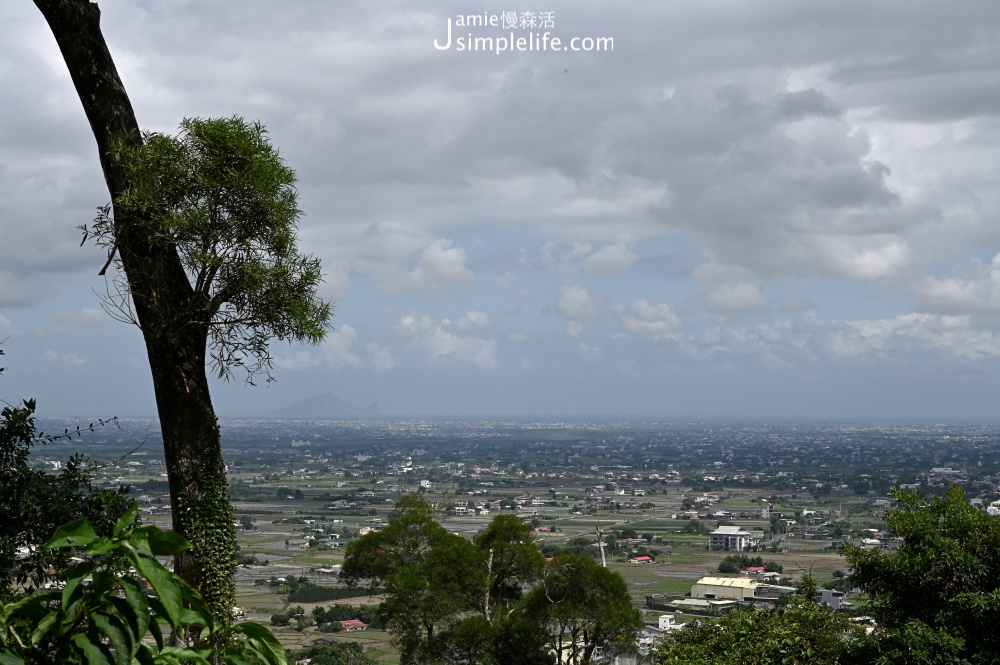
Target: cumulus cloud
440, 263
438, 341
382, 357
975, 290
334, 352
384, 251
70, 359
954, 335
473, 320
610, 259
642, 318
576, 303
806, 340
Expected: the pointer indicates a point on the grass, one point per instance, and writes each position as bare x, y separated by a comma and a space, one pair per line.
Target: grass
673, 586
323, 561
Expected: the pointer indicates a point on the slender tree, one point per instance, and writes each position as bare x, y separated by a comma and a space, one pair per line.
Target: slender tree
179, 289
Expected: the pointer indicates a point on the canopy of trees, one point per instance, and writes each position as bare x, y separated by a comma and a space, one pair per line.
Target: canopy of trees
451, 600
734, 563
803, 634
938, 595
220, 195
33, 503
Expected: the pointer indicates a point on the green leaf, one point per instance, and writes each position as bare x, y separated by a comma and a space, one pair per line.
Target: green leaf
76, 575
43, 627
165, 585
75, 534
144, 655
33, 606
10, 659
236, 659
186, 655
126, 520
155, 620
193, 619
266, 642
137, 613
197, 603
159, 542
100, 546
93, 652
112, 628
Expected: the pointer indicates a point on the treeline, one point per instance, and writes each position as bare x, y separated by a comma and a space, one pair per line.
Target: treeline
318, 594
303, 590
328, 619
342, 653
734, 563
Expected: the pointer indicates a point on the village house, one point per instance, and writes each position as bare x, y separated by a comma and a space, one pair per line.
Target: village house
352, 625
667, 622
731, 539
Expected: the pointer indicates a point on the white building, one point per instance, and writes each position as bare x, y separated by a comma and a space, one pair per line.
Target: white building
667, 622
731, 539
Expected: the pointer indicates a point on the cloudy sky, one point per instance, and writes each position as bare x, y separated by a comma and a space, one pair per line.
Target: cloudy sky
732, 209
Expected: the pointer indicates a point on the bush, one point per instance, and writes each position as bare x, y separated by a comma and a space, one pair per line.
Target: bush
112, 620
734, 563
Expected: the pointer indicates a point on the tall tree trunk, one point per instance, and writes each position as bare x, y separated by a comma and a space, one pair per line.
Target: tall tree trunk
165, 306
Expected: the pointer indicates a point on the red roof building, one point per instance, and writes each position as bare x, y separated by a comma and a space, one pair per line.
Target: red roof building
352, 625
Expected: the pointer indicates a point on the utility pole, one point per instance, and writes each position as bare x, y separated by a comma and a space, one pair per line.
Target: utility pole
600, 539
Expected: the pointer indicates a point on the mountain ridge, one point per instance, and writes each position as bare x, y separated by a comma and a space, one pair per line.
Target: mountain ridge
326, 405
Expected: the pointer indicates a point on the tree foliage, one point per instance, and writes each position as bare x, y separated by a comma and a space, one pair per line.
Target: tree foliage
34, 503
455, 601
581, 606
734, 563
103, 615
432, 578
804, 633
220, 195
512, 560
936, 599
342, 653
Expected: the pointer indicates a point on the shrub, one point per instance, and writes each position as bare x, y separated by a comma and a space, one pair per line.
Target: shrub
109, 620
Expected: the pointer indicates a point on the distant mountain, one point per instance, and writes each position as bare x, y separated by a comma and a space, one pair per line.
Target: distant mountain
325, 406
